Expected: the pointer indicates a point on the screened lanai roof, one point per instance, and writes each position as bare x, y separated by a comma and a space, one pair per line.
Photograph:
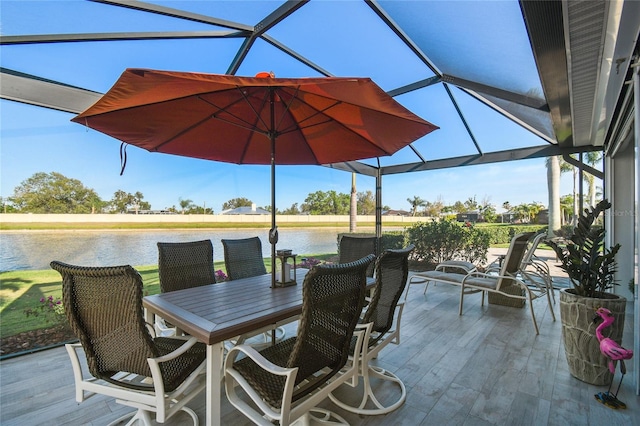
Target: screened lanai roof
504, 80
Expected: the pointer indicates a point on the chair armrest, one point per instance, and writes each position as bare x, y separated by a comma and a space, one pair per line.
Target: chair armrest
162, 330
188, 343
156, 374
233, 378
257, 357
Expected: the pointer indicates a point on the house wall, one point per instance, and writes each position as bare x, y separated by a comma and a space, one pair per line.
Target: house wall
620, 219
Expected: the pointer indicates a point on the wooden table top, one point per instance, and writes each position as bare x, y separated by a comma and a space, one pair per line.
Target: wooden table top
218, 312
221, 311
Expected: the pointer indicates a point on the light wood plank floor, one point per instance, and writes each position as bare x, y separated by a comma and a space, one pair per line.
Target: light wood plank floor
485, 367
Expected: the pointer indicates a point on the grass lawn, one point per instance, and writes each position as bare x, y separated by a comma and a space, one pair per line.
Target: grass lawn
20, 290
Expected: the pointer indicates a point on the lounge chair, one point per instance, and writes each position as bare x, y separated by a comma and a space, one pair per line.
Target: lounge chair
535, 271
505, 282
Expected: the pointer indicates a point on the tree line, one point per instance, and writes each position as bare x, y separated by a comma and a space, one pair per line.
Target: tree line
56, 193
525, 212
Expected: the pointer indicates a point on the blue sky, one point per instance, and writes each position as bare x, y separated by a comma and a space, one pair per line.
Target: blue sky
34, 139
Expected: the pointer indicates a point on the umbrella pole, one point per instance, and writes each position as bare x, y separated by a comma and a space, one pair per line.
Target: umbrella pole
273, 233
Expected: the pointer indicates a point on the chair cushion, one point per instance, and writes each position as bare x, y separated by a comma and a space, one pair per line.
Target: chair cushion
483, 282
451, 277
456, 264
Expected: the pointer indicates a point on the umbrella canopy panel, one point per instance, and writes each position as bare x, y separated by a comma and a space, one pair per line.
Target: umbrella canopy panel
228, 118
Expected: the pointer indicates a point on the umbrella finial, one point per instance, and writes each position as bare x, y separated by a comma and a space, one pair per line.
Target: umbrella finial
265, 74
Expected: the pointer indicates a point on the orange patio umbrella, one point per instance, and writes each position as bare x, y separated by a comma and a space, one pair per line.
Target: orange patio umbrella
254, 120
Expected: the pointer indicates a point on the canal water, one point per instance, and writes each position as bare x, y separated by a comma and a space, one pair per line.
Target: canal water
36, 249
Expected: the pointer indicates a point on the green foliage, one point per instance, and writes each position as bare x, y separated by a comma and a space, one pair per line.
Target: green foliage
293, 210
234, 203
433, 209
49, 309
54, 193
6, 206
366, 203
443, 240
327, 203
185, 205
393, 240
489, 214
415, 203
527, 212
590, 266
503, 234
122, 202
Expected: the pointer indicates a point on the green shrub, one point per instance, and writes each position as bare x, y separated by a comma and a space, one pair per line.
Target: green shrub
503, 234
392, 240
443, 240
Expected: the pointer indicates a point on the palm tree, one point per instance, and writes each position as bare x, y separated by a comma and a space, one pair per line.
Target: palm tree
533, 210
592, 158
415, 203
566, 167
184, 204
566, 206
553, 187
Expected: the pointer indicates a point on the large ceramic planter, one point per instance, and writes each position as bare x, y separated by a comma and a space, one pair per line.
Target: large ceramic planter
581, 345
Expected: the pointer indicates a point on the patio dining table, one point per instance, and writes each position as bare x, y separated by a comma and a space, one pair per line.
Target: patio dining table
215, 313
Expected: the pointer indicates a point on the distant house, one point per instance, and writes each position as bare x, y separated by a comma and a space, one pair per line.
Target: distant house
508, 217
542, 217
246, 210
472, 217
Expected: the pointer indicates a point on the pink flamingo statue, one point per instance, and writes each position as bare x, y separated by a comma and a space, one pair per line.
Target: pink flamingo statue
614, 352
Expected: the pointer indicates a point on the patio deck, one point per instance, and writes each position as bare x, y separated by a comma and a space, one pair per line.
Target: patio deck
485, 367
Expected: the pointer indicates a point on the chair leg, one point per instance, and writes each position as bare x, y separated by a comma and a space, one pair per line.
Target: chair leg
553, 314
533, 315
323, 416
369, 403
140, 416
369, 396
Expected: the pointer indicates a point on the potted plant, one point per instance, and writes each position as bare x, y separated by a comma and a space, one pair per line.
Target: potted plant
591, 268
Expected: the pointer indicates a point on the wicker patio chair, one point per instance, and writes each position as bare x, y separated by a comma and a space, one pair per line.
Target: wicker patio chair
243, 258
381, 320
353, 248
183, 265
287, 381
154, 375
